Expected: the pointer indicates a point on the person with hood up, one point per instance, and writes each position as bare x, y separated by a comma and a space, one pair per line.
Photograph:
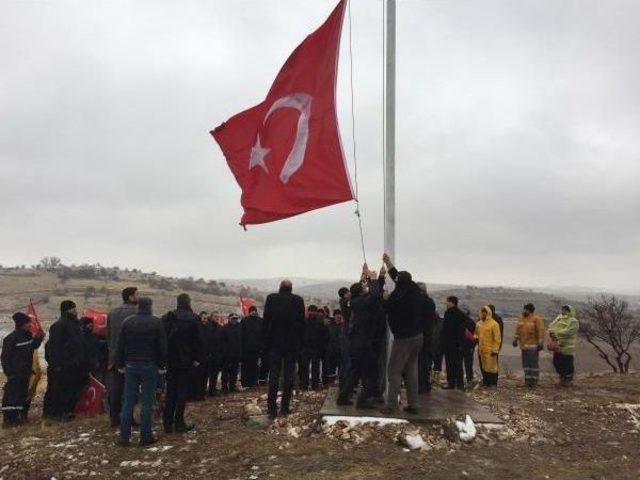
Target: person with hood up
530, 338
314, 344
489, 340
67, 371
232, 341
564, 330
17, 361
251, 326
283, 329
185, 351
405, 315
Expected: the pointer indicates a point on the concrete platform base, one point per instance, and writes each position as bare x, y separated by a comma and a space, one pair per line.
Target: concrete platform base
435, 406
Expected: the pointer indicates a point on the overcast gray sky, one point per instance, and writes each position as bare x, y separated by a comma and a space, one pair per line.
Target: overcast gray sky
518, 152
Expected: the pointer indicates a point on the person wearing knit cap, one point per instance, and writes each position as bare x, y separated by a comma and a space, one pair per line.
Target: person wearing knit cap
17, 358
66, 358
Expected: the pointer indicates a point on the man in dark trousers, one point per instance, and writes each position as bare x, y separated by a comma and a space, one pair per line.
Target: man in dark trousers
405, 314
199, 374
283, 329
468, 345
251, 326
184, 353
17, 361
500, 322
232, 356
215, 354
364, 303
314, 344
344, 295
453, 342
115, 380
67, 371
331, 359
424, 359
91, 344
141, 356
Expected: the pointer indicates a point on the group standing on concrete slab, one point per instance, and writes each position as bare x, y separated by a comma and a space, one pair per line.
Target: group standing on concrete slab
184, 356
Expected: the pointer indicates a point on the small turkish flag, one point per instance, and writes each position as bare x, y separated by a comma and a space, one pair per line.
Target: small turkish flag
286, 152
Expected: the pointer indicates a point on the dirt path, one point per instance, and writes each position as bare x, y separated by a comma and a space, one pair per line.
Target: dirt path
584, 432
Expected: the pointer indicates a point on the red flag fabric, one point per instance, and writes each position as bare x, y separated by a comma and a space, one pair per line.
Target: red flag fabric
245, 305
99, 321
90, 401
35, 327
286, 153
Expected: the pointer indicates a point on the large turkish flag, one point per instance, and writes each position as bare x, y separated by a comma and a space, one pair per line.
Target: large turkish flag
286, 152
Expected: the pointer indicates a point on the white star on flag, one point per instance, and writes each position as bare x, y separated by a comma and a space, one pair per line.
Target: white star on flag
258, 152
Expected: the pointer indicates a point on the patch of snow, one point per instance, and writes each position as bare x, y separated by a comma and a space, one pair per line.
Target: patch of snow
351, 422
467, 429
414, 442
634, 413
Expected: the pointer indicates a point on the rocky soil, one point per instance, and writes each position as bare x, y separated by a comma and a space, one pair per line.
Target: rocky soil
588, 431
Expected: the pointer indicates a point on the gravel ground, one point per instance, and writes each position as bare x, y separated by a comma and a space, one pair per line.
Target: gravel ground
588, 431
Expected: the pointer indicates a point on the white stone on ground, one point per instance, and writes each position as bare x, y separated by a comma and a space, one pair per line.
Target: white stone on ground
467, 429
330, 420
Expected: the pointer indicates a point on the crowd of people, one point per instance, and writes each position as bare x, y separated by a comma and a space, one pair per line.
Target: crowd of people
190, 356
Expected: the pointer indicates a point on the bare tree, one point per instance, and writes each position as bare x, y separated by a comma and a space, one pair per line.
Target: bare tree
50, 263
612, 329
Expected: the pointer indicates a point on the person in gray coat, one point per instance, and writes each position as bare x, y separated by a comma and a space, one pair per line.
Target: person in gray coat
115, 379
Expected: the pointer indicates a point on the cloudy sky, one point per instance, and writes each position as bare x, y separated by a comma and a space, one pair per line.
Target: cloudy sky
518, 153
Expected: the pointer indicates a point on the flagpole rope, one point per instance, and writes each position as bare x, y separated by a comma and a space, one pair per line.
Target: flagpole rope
353, 135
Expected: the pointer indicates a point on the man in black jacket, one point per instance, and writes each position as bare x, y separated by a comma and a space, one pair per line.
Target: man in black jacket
453, 343
251, 326
115, 380
141, 356
199, 374
331, 359
364, 303
424, 359
314, 344
283, 327
184, 353
405, 314
499, 320
91, 344
17, 360
214, 353
344, 296
232, 348
67, 371
468, 345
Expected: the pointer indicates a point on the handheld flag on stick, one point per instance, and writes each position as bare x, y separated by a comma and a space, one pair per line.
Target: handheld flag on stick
245, 305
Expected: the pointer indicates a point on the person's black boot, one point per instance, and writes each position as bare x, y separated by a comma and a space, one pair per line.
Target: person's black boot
343, 402
284, 411
184, 427
150, 441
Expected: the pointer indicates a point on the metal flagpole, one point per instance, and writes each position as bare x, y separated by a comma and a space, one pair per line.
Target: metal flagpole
390, 141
